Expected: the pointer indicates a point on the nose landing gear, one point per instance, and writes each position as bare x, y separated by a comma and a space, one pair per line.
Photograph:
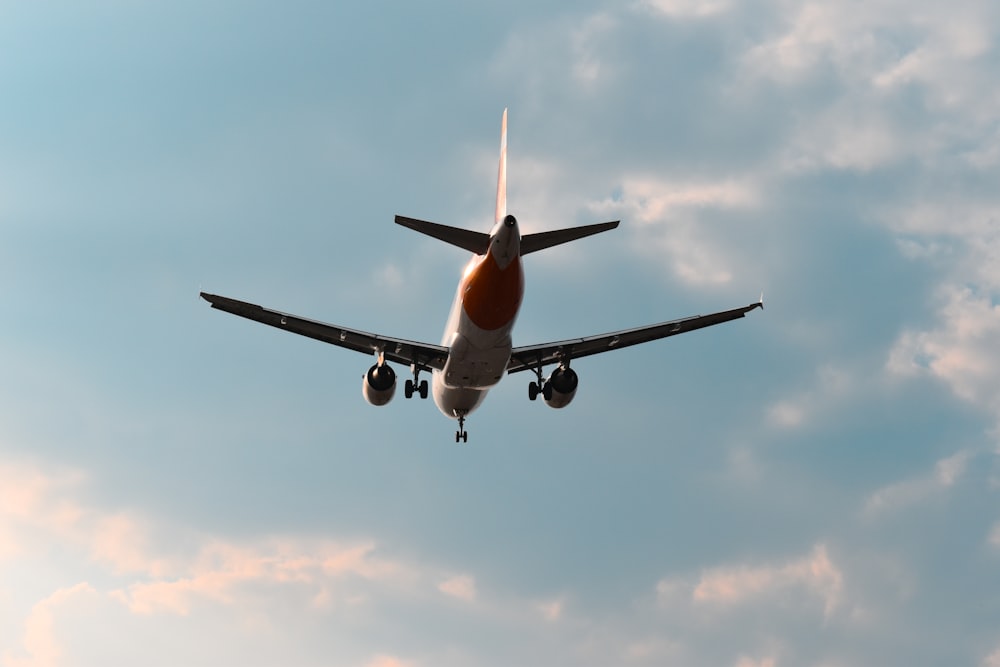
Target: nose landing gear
461, 435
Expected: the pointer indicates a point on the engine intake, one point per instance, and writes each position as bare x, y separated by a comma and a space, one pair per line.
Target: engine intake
560, 388
379, 384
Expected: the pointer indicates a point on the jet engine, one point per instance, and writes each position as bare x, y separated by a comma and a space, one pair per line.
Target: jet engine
379, 384
560, 388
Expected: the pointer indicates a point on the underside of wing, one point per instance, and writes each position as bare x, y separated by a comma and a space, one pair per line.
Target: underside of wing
533, 357
422, 355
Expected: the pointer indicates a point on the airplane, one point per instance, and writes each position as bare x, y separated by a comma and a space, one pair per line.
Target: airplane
477, 349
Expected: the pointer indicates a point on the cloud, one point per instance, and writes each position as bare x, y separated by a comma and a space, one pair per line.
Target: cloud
222, 570
669, 224
994, 538
461, 587
680, 9
832, 385
551, 610
751, 662
961, 351
911, 492
731, 587
40, 636
389, 661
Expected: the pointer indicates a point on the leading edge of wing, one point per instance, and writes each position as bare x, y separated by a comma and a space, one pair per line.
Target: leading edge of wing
423, 355
531, 357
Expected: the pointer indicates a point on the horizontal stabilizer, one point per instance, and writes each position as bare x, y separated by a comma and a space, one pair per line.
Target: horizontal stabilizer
476, 242
542, 240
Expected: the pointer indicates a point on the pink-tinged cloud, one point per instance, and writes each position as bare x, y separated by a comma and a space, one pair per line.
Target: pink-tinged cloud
389, 661
221, 570
461, 587
41, 643
815, 574
962, 351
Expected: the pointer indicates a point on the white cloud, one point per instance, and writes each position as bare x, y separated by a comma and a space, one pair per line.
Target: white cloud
590, 69
845, 138
678, 9
962, 351
832, 385
947, 472
667, 224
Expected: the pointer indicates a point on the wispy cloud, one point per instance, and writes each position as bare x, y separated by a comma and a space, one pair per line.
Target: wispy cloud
832, 385
679, 9
900, 495
461, 587
669, 227
730, 587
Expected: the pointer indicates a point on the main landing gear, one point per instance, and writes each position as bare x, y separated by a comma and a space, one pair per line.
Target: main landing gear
541, 387
411, 386
461, 435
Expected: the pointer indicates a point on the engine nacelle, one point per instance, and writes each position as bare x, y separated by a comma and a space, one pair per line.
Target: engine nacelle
379, 384
560, 388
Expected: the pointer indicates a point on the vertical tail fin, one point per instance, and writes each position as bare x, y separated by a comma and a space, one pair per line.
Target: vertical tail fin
501, 211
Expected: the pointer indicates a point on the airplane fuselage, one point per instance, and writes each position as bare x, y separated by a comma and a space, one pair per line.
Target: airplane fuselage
478, 332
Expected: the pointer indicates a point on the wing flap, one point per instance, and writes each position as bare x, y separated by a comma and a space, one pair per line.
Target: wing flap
534, 356
423, 355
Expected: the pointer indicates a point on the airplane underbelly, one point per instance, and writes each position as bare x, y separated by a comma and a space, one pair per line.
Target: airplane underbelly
471, 366
455, 402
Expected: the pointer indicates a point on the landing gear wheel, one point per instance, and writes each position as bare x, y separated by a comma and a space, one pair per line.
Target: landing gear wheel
416, 385
533, 391
461, 435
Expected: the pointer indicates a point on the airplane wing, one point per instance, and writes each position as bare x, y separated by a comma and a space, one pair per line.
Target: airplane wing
532, 357
424, 356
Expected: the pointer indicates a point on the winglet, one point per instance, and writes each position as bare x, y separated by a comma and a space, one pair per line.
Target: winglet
761, 302
501, 210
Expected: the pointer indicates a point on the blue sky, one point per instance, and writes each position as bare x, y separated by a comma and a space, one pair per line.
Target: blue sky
815, 485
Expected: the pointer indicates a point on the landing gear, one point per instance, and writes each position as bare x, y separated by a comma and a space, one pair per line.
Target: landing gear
461, 435
541, 387
415, 385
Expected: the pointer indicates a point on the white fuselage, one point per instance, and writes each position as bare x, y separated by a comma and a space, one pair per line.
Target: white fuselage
478, 332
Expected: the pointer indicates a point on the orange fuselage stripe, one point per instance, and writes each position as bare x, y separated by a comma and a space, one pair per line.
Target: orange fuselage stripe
491, 296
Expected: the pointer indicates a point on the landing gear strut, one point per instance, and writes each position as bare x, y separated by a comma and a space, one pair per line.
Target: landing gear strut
541, 387
461, 435
414, 385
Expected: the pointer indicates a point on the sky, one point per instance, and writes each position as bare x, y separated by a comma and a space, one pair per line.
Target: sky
815, 485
